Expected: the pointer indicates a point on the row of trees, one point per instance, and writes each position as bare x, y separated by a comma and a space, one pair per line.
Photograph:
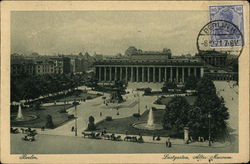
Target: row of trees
190, 84
180, 114
31, 87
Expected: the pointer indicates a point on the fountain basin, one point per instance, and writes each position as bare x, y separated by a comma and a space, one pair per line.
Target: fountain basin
25, 118
145, 126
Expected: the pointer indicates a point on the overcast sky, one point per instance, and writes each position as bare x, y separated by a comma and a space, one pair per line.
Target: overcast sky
105, 32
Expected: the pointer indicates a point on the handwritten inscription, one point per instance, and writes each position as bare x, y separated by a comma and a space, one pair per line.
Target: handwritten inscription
27, 156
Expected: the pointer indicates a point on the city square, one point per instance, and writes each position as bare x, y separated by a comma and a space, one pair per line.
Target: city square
136, 90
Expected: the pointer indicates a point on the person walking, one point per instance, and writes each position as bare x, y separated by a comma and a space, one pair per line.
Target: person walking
169, 142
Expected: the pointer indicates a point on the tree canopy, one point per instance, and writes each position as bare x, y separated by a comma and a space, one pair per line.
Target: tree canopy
180, 114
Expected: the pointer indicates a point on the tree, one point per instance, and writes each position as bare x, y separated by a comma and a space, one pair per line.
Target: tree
208, 102
191, 83
176, 114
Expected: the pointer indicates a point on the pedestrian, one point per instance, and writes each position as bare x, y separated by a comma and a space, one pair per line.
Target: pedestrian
100, 113
166, 143
72, 128
153, 137
169, 142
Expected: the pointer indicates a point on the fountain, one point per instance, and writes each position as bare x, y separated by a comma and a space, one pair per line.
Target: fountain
20, 117
149, 125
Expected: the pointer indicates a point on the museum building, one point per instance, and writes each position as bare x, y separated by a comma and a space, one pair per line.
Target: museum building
148, 66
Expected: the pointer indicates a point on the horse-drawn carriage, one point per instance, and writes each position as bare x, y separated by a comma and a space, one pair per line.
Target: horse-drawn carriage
92, 135
30, 134
134, 139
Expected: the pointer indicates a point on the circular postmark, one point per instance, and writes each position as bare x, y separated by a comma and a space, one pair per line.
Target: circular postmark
221, 39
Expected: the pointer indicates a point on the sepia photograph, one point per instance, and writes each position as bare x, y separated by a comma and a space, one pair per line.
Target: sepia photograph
127, 81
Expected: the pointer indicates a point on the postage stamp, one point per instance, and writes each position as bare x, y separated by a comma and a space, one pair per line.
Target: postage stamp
220, 33
230, 13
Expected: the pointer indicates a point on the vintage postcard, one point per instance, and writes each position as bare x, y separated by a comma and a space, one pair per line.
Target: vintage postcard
124, 82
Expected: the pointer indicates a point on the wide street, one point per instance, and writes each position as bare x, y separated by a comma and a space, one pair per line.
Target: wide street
50, 144
66, 142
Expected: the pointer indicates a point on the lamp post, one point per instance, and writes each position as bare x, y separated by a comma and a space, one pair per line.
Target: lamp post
138, 102
75, 103
209, 129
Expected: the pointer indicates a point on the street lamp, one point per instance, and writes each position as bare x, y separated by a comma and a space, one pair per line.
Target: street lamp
138, 102
209, 129
75, 103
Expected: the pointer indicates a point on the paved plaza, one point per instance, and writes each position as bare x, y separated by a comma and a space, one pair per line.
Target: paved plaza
67, 143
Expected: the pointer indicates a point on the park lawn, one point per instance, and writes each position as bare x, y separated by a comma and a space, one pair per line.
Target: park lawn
165, 100
123, 125
57, 117
85, 96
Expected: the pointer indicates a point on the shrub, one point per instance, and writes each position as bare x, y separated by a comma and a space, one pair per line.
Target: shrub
71, 116
136, 115
147, 91
88, 97
63, 111
158, 101
154, 108
109, 118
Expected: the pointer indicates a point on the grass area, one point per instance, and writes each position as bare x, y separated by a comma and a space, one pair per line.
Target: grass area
86, 96
123, 125
57, 117
165, 100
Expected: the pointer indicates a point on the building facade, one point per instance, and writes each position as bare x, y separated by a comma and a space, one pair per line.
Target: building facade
147, 67
213, 58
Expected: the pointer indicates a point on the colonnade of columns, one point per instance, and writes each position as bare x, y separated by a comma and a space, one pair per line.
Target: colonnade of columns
215, 60
147, 74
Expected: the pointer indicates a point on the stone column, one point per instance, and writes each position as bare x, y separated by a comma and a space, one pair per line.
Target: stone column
100, 73
159, 74
120, 73
115, 73
132, 74
171, 74
137, 74
202, 71
165, 77
142, 74
183, 71
154, 74
148, 74
110, 73
177, 75
188, 71
105, 74
195, 72
126, 74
